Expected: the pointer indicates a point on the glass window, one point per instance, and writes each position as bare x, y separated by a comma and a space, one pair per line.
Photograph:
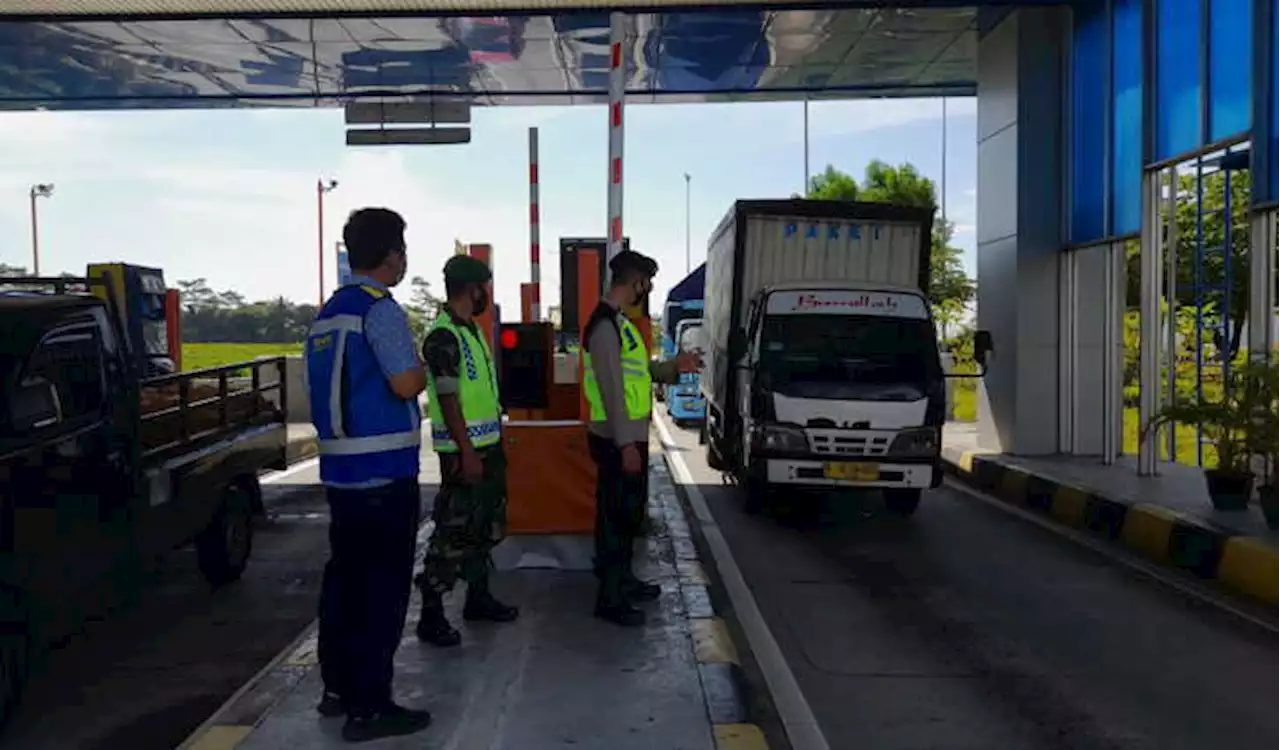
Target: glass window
1126, 117
1178, 95
70, 360
692, 339
1230, 67
1088, 121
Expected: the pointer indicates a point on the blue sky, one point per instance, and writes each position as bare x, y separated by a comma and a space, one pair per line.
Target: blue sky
230, 195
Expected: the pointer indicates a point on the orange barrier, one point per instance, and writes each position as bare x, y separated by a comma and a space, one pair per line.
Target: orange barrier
551, 478
485, 321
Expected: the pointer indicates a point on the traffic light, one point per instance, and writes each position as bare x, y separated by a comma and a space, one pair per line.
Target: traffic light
525, 363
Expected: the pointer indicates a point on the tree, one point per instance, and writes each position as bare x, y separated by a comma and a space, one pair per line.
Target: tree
950, 289
423, 306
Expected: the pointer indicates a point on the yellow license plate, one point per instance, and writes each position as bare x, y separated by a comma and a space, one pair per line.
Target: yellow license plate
852, 471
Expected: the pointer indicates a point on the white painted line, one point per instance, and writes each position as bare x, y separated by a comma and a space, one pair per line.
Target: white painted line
797, 717
277, 476
1118, 555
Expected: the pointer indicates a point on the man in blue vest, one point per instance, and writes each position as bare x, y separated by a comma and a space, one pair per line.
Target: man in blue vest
364, 378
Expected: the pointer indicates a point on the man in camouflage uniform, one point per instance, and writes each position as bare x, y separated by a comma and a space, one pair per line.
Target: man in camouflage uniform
470, 512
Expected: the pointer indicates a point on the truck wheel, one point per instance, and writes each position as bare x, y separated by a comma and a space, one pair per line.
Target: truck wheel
902, 503
223, 548
15, 656
757, 495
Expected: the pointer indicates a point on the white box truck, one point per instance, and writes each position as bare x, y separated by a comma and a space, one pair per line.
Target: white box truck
822, 367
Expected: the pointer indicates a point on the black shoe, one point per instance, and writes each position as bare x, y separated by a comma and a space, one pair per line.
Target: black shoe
435, 629
391, 721
620, 614
485, 607
637, 590
331, 705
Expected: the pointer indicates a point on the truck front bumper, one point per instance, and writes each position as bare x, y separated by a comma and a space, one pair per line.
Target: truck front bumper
887, 475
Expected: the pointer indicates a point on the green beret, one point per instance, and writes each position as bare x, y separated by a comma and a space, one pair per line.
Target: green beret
465, 269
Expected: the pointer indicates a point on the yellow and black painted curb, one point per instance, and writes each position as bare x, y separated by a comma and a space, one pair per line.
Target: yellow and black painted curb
719, 668
1245, 565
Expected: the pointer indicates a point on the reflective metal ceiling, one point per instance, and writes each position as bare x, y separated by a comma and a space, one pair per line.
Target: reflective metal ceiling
708, 55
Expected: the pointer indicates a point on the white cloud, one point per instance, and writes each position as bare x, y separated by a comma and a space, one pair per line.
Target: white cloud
849, 118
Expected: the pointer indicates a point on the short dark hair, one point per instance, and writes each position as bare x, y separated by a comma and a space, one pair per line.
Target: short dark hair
371, 234
629, 266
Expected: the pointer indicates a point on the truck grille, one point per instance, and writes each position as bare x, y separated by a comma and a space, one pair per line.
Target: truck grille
849, 442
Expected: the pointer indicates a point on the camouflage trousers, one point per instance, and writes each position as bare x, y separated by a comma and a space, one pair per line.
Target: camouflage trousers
470, 520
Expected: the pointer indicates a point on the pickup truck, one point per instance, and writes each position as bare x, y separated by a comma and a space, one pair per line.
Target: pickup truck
102, 471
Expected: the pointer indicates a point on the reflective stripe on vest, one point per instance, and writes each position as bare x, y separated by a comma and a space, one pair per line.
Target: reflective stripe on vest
637, 383
340, 444
477, 392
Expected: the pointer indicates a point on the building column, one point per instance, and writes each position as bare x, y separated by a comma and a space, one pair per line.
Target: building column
1020, 180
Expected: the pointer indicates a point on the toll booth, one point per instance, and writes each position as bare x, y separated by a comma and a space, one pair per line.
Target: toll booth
551, 477
143, 306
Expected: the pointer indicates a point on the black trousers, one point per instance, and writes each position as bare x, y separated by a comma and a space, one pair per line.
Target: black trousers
620, 509
365, 594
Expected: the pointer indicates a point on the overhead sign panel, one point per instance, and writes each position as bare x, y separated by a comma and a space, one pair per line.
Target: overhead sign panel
408, 136
449, 112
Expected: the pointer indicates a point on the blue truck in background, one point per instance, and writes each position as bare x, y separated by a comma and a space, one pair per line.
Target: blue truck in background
681, 324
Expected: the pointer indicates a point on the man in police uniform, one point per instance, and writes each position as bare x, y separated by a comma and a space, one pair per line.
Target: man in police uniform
363, 380
618, 380
470, 512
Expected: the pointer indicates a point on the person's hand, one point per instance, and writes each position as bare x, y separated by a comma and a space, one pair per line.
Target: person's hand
472, 466
689, 361
630, 459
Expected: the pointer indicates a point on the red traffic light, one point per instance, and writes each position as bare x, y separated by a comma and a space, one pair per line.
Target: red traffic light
509, 339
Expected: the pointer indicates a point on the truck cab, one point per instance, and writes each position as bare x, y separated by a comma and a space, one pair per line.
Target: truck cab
684, 399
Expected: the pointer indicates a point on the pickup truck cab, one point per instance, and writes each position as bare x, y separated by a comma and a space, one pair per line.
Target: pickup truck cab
102, 471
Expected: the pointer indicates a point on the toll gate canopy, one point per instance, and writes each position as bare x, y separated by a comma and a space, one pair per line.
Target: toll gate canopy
136, 54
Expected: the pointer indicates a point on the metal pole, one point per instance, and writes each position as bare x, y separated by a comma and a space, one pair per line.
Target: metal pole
688, 255
617, 92
1171, 304
942, 193
805, 192
35, 236
1149, 322
535, 246
320, 241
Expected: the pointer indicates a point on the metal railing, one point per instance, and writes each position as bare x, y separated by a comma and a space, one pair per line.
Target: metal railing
223, 401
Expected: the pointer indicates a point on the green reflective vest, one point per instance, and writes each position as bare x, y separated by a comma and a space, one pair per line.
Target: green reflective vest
477, 392
637, 383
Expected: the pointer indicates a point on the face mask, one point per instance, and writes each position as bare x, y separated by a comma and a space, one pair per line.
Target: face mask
479, 302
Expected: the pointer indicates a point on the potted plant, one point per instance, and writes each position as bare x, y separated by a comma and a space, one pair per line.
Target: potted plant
1264, 433
1230, 483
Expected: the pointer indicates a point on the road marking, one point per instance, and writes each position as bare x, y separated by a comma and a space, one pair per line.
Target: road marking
797, 717
1118, 555
277, 476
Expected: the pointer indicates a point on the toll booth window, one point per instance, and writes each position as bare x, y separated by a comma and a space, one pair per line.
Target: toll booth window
69, 360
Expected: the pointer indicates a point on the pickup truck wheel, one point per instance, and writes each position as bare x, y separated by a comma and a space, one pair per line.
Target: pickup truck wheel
223, 548
14, 652
902, 503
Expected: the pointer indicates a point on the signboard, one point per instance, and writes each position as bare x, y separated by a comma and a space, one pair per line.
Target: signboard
344, 266
846, 302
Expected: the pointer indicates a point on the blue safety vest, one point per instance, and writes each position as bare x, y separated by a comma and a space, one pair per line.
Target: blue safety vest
365, 431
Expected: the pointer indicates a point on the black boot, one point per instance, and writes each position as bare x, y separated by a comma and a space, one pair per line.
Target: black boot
482, 606
612, 604
433, 626
636, 590
390, 721
331, 705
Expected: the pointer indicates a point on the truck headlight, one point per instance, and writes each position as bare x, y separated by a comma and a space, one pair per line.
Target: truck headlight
781, 438
922, 441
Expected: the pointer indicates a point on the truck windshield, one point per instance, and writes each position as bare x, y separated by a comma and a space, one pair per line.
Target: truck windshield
692, 339
849, 356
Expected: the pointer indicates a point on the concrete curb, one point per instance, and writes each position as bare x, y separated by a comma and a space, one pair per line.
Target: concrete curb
719, 668
1243, 565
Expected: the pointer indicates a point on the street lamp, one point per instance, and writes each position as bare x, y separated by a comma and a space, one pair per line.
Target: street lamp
322, 186
688, 257
42, 190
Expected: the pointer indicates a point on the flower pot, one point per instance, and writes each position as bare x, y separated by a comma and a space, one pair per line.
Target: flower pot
1229, 490
1267, 499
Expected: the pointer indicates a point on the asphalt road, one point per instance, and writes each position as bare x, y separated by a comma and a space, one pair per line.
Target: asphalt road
967, 627
147, 675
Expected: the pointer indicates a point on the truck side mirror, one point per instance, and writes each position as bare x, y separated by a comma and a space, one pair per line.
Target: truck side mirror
34, 405
982, 346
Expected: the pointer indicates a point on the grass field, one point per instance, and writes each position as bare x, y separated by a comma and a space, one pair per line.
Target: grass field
200, 356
